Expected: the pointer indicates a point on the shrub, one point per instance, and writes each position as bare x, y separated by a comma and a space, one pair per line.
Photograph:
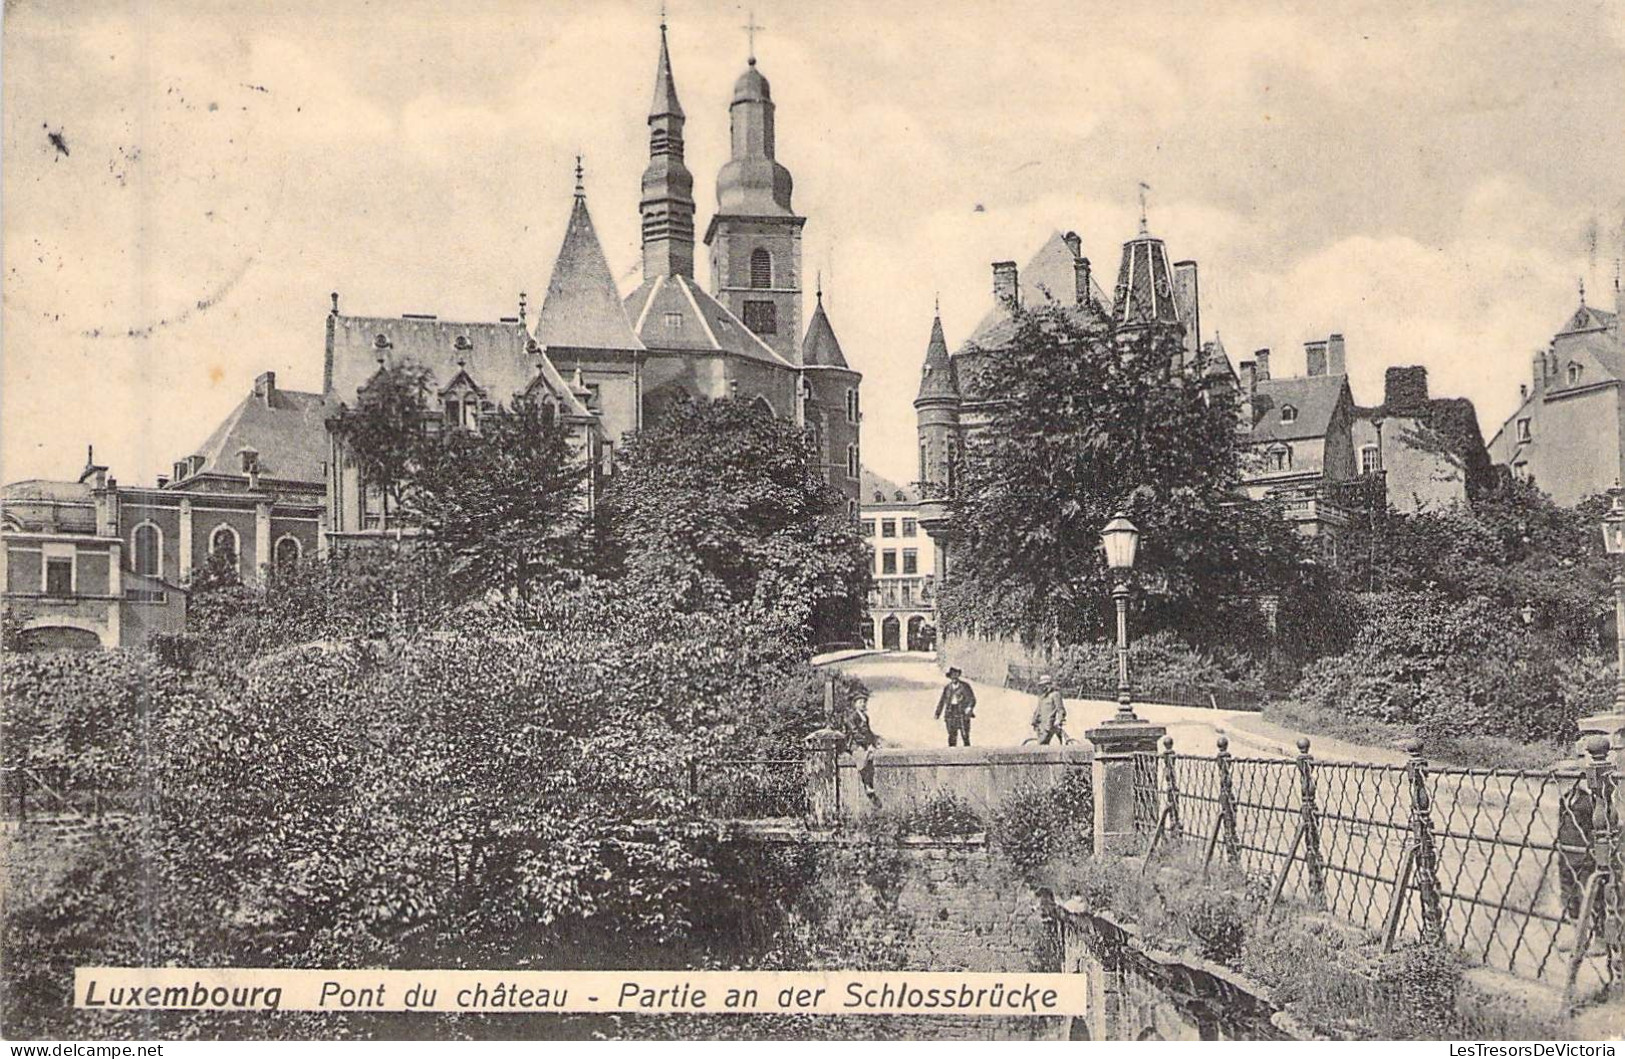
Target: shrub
944, 815
1037, 827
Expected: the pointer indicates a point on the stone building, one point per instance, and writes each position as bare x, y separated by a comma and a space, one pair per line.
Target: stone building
1428, 450
902, 605
1568, 433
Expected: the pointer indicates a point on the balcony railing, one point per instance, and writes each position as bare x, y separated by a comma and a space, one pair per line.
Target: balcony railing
898, 592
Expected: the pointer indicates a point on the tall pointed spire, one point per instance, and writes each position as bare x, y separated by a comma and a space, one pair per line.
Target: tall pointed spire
582, 309
937, 378
667, 205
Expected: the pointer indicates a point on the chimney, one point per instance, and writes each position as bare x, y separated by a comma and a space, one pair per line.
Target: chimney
1006, 287
1538, 374
1523, 391
1314, 357
1073, 243
1262, 356
1249, 377
1405, 389
1336, 361
265, 387
1190, 303
1080, 272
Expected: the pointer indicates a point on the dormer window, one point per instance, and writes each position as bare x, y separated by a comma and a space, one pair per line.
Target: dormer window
1289, 413
1523, 429
1575, 371
674, 321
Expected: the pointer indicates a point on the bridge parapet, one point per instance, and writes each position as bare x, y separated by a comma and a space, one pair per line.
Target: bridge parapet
981, 776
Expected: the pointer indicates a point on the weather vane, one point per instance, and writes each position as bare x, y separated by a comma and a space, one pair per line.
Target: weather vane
1144, 187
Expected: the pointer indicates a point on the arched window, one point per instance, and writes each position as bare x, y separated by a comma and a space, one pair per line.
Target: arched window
147, 549
1289, 413
287, 552
852, 461
760, 404
1280, 458
223, 543
761, 269
924, 478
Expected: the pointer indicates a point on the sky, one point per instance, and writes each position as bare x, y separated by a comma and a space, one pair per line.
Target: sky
185, 182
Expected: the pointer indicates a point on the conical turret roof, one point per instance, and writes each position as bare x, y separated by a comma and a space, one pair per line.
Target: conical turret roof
938, 378
821, 349
583, 308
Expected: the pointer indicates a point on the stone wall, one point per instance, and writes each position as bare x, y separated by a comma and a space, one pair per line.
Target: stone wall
981, 776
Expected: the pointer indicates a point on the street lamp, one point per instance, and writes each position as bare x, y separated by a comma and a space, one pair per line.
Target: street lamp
1613, 539
1121, 539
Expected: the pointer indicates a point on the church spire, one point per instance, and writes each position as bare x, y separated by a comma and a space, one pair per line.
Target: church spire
753, 183
667, 205
937, 379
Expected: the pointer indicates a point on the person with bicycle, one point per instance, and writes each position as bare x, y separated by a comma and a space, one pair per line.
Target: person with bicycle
1049, 716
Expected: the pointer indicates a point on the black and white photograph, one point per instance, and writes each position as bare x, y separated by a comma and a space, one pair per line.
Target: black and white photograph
639, 521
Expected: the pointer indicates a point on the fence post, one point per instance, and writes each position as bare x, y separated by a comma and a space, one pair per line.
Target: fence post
1170, 806
824, 778
1605, 854
1310, 825
1118, 746
1424, 854
1225, 825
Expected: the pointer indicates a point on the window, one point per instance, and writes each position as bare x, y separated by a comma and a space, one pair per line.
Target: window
851, 406
223, 544
1523, 430
911, 528
674, 321
1575, 371
287, 552
1280, 458
852, 461
868, 527
923, 478
762, 317
911, 561
454, 413
888, 528
908, 590
1370, 459
761, 270
888, 562
1289, 413
59, 577
146, 549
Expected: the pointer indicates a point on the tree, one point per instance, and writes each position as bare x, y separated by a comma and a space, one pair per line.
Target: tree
384, 434
721, 504
508, 504
1087, 423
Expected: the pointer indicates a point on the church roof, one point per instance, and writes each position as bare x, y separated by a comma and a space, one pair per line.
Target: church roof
673, 314
1314, 397
821, 349
875, 489
582, 309
1050, 277
499, 357
285, 427
938, 377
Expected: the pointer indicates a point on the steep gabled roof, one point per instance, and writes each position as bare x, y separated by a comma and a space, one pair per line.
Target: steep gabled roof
582, 309
1050, 277
1315, 397
821, 349
672, 314
285, 427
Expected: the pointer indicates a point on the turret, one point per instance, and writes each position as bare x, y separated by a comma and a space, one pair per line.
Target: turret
936, 411
667, 205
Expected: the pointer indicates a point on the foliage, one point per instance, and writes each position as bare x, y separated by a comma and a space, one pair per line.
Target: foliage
943, 815
1040, 828
1158, 662
384, 435
506, 507
1068, 446
721, 504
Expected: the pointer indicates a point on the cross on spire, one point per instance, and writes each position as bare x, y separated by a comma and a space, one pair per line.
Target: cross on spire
1582, 290
662, 16
820, 286
751, 28
581, 189
1144, 187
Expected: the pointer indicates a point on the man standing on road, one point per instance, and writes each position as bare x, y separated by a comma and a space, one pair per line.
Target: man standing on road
1049, 716
956, 707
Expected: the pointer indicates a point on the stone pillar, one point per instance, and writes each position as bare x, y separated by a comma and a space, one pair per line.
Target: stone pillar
262, 539
184, 575
824, 778
1116, 742
1611, 725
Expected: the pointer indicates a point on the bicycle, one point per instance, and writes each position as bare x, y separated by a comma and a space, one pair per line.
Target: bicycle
1038, 740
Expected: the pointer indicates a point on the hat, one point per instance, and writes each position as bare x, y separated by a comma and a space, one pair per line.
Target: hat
1046, 679
953, 671
858, 696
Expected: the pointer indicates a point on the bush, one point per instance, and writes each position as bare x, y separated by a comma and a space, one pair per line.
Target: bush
944, 815
1038, 827
1159, 662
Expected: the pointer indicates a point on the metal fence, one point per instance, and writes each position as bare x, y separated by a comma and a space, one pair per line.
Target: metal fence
47, 793
1518, 869
750, 788
1025, 678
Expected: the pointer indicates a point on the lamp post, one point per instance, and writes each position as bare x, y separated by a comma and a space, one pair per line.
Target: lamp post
1121, 539
1613, 539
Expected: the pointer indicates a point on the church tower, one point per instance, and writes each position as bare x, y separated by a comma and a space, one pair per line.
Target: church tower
755, 236
667, 205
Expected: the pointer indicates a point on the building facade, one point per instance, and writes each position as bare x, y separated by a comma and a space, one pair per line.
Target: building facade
902, 604
1568, 433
